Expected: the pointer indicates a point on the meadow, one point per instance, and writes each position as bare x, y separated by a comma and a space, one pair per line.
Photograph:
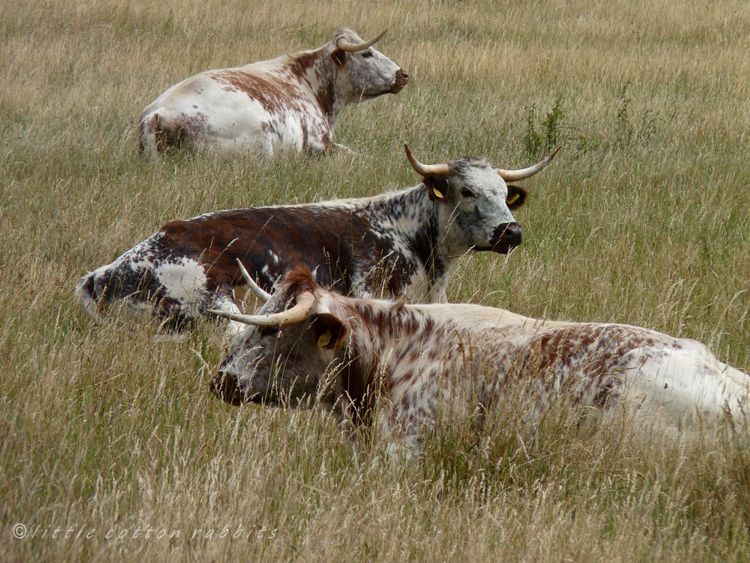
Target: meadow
112, 447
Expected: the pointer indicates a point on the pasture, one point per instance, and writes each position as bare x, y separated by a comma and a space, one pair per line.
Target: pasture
112, 446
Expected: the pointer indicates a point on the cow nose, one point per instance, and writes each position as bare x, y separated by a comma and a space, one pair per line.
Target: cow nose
506, 237
513, 234
402, 77
224, 386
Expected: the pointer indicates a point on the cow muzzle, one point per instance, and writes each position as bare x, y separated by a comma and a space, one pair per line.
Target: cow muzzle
224, 386
506, 237
402, 78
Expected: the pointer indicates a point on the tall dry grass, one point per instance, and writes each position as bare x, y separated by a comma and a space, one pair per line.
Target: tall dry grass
108, 431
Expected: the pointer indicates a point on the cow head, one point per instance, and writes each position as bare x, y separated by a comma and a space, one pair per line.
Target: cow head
474, 203
281, 357
362, 72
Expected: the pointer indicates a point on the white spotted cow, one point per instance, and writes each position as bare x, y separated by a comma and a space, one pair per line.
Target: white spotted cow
291, 102
396, 243
310, 346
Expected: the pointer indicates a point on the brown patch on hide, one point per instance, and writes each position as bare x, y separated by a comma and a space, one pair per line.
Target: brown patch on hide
175, 133
299, 280
591, 348
274, 94
296, 235
300, 63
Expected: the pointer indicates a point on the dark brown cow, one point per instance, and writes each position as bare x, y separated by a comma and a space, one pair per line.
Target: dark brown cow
398, 243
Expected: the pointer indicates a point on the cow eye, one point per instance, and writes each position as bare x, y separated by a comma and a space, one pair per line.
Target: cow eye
367, 54
467, 193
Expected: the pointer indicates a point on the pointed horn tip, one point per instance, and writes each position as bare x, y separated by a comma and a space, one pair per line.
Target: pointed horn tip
372, 42
517, 175
425, 170
259, 292
344, 45
415, 164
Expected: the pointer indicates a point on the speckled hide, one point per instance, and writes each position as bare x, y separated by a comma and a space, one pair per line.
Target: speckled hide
424, 359
289, 103
402, 243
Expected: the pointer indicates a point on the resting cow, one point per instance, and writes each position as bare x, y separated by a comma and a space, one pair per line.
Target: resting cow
398, 243
310, 346
291, 102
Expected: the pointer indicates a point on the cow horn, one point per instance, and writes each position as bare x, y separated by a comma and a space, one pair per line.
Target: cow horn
344, 45
295, 315
516, 175
259, 292
426, 169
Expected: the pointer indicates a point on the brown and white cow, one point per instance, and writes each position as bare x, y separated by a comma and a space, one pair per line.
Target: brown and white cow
310, 346
291, 102
397, 243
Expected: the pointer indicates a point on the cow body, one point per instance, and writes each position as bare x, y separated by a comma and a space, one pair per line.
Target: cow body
399, 243
289, 103
347, 352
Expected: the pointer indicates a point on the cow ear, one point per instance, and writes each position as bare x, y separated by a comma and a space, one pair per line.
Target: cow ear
339, 57
329, 331
516, 197
437, 188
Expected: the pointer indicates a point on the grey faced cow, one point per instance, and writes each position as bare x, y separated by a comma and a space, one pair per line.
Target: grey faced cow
292, 102
397, 243
311, 346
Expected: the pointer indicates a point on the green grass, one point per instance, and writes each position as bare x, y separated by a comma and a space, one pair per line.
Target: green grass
641, 219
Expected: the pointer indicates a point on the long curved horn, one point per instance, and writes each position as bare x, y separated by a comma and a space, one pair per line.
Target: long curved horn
259, 292
344, 45
296, 314
516, 175
426, 169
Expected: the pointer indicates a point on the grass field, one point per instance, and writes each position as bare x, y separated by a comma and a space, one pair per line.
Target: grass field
112, 447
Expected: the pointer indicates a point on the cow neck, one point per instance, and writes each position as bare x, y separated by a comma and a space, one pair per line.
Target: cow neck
316, 70
369, 355
413, 218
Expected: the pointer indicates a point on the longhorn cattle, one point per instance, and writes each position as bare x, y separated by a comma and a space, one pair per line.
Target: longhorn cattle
310, 346
291, 102
398, 243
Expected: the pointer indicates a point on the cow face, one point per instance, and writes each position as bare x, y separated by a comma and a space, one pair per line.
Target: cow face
475, 207
281, 365
363, 74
